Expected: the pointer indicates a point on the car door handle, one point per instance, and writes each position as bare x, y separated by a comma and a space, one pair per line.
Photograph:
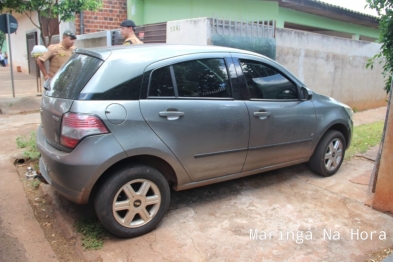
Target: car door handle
171, 115
262, 115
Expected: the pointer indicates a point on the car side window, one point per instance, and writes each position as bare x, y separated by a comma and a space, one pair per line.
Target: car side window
202, 78
128, 90
161, 83
264, 82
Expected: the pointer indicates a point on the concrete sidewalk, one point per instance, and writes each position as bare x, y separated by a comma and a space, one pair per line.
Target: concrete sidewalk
24, 85
25, 89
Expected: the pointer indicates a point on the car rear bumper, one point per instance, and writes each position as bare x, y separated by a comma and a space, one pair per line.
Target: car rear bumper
74, 174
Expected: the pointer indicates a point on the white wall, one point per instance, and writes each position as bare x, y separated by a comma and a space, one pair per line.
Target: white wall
97, 39
18, 41
189, 31
333, 66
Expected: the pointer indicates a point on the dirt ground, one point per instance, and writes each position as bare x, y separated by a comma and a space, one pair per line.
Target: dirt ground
21, 237
45, 214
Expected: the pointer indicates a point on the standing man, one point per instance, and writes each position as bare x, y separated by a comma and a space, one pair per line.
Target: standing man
127, 30
57, 55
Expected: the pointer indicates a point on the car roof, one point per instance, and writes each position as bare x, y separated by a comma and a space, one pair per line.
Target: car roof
158, 50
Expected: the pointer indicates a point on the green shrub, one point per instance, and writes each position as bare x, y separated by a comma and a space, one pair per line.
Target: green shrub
29, 143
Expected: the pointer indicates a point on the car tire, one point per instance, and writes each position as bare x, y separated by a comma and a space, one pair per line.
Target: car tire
132, 201
329, 154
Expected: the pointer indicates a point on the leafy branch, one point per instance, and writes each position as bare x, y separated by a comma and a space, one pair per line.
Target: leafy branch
2, 39
384, 9
47, 10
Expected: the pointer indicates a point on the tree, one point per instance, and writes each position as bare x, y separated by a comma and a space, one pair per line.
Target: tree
385, 12
61, 10
2, 39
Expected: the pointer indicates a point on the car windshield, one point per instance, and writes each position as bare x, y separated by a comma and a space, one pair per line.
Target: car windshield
73, 76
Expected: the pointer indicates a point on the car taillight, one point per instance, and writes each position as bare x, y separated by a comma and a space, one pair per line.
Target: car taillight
76, 126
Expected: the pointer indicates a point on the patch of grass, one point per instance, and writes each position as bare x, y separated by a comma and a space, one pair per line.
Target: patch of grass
35, 183
364, 137
29, 143
36, 165
93, 232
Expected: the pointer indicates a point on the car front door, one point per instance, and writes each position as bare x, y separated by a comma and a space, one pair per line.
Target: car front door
282, 125
191, 106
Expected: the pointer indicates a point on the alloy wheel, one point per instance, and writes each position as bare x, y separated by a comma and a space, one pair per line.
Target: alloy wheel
333, 154
136, 203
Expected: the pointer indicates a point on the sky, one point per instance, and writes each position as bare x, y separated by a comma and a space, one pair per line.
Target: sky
356, 5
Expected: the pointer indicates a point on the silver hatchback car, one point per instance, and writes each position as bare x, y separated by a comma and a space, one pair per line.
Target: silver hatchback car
122, 125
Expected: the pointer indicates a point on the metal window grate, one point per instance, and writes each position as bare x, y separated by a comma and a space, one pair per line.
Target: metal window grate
259, 29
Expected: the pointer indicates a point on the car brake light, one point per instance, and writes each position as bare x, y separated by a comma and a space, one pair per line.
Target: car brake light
77, 126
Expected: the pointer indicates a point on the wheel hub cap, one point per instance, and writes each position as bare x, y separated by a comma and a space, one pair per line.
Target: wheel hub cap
137, 203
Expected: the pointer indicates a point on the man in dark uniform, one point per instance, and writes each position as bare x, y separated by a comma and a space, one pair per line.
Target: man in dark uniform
127, 30
57, 54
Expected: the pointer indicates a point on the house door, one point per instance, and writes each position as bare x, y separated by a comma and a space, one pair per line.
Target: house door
31, 39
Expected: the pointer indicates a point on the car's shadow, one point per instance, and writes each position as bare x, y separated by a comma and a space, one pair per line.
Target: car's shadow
234, 187
73, 213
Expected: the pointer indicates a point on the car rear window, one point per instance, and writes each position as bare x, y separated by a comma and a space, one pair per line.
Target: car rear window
73, 76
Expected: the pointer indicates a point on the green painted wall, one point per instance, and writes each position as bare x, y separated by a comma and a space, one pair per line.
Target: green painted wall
167, 10
293, 16
155, 11
136, 11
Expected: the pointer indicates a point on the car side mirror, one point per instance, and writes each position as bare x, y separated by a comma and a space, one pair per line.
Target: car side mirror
305, 94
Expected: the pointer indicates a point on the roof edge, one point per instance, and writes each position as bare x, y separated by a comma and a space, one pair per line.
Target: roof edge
330, 11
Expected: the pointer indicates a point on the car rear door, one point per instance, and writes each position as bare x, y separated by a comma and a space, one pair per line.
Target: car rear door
191, 106
282, 125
